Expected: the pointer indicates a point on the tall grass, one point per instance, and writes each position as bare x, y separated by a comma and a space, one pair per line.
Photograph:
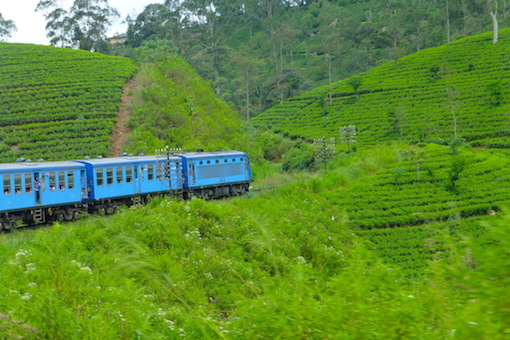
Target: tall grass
282, 264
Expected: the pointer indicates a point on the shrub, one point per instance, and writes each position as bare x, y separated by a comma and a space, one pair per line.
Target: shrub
300, 157
273, 146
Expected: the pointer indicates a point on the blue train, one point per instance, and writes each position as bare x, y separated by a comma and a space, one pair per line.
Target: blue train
38, 192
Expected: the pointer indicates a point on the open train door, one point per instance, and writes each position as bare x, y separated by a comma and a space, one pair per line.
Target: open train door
38, 187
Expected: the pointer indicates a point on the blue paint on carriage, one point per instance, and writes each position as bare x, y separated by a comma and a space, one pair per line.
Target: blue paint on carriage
129, 176
61, 183
207, 169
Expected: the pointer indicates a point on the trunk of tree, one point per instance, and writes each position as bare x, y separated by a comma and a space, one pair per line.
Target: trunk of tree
247, 99
447, 23
330, 83
494, 27
492, 13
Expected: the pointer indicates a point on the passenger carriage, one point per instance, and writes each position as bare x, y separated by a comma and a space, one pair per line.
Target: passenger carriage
127, 180
216, 174
38, 191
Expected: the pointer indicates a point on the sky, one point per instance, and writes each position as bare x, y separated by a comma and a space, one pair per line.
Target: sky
31, 24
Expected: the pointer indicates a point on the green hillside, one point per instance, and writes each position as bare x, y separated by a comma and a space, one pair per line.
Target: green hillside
290, 263
173, 106
461, 88
58, 103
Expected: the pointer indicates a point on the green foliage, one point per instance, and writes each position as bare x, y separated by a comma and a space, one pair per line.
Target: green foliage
300, 157
83, 25
458, 165
417, 109
434, 73
6, 27
273, 146
153, 51
285, 263
495, 93
267, 51
49, 95
175, 107
355, 82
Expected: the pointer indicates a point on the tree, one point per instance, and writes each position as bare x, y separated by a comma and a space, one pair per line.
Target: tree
91, 20
157, 21
59, 25
492, 8
355, 83
6, 27
83, 26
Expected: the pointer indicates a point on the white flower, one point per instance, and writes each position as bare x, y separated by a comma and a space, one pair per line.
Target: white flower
32, 284
30, 267
301, 259
26, 296
86, 269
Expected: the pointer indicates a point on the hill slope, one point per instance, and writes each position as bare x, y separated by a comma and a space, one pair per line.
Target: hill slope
280, 264
457, 88
58, 103
173, 106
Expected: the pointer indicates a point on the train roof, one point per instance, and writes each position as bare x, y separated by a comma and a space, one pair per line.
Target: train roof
31, 166
120, 160
212, 154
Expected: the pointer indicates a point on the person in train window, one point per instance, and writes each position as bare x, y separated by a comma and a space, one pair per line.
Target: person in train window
37, 189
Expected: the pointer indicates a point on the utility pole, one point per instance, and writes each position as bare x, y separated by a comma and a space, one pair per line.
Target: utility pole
324, 150
347, 135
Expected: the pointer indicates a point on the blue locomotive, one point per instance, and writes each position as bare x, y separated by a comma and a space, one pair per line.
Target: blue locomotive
37, 192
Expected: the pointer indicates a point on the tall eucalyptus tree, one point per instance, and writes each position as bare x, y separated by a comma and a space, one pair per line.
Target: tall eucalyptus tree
6, 27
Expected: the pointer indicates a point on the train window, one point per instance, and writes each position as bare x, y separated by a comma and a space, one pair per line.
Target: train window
136, 172
159, 174
17, 183
233, 159
241, 159
119, 174
53, 180
217, 161
109, 176
192, 172
129, 174
150, 172
70, 179
99, 177
28, 183
7, 184
208, 162
61, 180
225, 160
201, 162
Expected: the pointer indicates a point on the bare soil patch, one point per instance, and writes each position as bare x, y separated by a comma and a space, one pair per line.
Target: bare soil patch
121, 132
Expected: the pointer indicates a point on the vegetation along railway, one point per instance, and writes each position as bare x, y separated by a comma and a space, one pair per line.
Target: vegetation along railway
39, 192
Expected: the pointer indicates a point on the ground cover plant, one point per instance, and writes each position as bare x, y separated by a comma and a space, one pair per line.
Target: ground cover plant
457, 89
49, 95
174, 107
285, 263
409, 207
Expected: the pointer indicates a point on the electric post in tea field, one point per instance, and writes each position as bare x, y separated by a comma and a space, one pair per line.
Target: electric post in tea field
347, 135
324, 149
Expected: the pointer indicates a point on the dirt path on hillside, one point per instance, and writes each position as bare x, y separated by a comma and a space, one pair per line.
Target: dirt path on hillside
121, 132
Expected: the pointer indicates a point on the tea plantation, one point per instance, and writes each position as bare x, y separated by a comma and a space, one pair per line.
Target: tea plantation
58, 103
294, 262
457, 89
404, 238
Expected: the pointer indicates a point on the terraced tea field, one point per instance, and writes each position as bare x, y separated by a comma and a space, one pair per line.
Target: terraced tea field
409, 210
460, 88
58, 103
